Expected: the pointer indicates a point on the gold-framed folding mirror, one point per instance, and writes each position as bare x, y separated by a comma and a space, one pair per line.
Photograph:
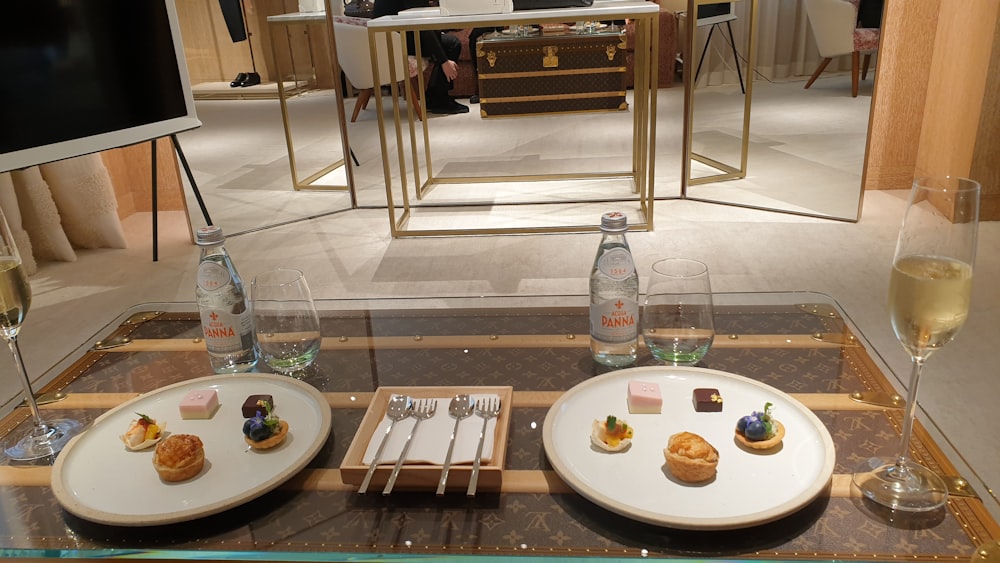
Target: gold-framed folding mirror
756, 135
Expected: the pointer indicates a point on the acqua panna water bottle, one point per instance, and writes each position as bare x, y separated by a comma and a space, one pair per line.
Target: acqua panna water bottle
226, 318
614, 296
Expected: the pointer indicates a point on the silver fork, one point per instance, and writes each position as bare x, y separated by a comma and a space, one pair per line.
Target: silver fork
487, 409
422, 410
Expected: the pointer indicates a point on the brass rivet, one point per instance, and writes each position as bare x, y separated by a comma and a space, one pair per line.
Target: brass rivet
818, 336
494, 337
734, 337
197, 340
418, 338
343, 339
571, 337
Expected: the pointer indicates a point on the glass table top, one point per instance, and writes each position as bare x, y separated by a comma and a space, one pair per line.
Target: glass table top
799, 343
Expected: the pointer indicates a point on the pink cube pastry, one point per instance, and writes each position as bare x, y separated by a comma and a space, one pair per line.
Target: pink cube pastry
644, 397
199, 404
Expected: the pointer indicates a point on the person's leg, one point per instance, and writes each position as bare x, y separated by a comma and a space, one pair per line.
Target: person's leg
870, 13
436, 91
452, 46
438, 85
436, 94
474, 36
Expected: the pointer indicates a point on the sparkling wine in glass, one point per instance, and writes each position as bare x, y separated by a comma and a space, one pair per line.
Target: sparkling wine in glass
929, 293
46, 437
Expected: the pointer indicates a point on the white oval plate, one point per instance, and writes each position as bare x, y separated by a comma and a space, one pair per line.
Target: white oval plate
748, 489
97, 479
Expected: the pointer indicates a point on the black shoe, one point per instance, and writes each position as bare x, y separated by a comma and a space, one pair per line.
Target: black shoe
474, 99
252, 79
458, 108
238, 80
448, 108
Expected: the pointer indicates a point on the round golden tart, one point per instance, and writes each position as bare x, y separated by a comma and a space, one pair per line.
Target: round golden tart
179, 457
690, 457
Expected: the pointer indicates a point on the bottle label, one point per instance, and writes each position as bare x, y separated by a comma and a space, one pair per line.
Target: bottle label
616, 264
212, 276
226, 332
615, 320
225, 319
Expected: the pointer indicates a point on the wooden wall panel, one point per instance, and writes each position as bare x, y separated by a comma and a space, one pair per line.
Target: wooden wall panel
213, 57
199, 35
321, 55
211, 54
235, 58
936, 107
305, 45
985, 167
955, 92
130, 170
908, 36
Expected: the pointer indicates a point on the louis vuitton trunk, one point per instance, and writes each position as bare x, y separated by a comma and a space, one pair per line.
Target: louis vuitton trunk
541, 74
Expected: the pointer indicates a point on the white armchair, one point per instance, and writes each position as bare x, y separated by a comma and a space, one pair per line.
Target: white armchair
354, 56
834, 24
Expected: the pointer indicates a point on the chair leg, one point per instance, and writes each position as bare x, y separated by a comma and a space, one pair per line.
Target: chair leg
415, 85
415, 102
864, 66
855, 72
819, 71
363, 97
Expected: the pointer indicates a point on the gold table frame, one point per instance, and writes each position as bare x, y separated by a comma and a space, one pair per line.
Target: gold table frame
727, 171
285, 22
641, 172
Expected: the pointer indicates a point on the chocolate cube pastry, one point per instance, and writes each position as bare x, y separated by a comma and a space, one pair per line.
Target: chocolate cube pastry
250, 407
707, 400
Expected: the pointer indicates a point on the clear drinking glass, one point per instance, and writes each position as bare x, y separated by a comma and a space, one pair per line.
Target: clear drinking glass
47, 437
677, 319
929, 291
285, 320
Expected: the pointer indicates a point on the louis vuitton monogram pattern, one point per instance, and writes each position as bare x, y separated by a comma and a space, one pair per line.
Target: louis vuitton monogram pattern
552, 74
293, 519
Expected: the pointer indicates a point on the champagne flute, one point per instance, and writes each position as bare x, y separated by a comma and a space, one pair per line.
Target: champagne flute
929, 293
46, 437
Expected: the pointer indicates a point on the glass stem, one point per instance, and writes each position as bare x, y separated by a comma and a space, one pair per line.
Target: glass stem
29, 396
908, 416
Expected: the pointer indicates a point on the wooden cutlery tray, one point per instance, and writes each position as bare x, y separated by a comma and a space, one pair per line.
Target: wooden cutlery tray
426, 476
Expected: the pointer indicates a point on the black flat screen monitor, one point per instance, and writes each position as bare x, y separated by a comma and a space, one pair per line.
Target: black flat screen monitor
716, 13
81, 76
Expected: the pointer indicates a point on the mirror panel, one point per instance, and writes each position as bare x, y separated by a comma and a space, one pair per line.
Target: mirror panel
782, 147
